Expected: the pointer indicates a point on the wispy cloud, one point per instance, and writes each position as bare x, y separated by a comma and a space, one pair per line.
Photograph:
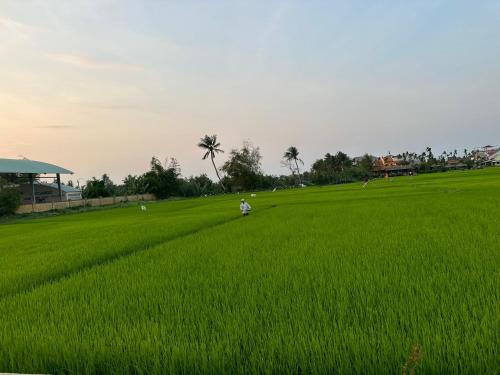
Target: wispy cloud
86, 62
272, 26
56, 127
119, 103
11, 25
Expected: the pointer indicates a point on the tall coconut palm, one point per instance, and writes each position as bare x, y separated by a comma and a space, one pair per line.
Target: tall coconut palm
292, 155
211, 147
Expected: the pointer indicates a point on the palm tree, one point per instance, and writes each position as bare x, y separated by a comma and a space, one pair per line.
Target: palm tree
211, 146
292, 155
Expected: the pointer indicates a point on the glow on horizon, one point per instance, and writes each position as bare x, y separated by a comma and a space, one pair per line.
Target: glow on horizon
101, 86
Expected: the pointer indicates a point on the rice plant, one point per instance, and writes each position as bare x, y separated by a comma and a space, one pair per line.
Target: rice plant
339, 279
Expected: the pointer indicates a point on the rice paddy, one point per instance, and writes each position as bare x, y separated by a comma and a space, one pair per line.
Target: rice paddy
340, 279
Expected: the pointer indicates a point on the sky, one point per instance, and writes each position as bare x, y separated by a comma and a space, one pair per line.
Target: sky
102, 86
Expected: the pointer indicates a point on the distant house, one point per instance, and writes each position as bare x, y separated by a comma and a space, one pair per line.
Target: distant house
490, 156
486, 155
493, 161
392, 165
48, 193
455, 163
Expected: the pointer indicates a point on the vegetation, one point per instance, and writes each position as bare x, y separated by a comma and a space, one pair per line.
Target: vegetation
102, 187
63, 245
291, 160
211, 147
244, 168
398, 277
336, 168
243, 171
10, 198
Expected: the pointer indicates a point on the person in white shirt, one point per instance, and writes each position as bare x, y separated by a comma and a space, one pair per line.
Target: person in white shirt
245, 207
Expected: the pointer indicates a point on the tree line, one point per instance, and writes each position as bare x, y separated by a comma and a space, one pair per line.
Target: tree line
242, 171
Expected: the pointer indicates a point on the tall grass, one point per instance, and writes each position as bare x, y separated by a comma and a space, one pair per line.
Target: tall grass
38, 251
330, 280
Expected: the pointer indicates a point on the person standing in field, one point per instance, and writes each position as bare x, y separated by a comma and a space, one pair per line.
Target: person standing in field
245, 207
365, 180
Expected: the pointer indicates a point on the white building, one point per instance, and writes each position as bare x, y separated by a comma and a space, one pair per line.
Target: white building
489, 155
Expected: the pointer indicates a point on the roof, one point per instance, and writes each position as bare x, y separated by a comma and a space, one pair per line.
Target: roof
30, 166
65, 188
456, 165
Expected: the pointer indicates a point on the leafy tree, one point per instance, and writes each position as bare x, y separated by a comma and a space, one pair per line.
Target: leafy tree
292, 156
102, 187
211, 147
342, 161
430, 155
108, 184
134, 185
10, 198
321, 173
197, 186
468, 159
162, 181
443, 158
366, 162
243, 167
333, 168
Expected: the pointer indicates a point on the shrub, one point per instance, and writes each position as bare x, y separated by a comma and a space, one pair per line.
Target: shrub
10, 200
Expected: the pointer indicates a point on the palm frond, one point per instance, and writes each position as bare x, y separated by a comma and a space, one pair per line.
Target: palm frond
210, 144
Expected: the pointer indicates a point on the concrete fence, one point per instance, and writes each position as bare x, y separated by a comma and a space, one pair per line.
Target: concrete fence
94, 202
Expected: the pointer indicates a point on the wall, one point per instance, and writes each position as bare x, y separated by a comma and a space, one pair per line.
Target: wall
96, 202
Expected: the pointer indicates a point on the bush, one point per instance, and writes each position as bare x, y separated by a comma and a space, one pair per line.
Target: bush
10, 200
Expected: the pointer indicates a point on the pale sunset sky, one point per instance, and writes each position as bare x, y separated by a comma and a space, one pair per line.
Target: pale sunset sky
101, 86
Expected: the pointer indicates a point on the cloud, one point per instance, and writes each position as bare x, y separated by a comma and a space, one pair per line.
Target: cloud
9, 23
271, 27
113, 103
56, 127
16, 27
111, 106
86, 62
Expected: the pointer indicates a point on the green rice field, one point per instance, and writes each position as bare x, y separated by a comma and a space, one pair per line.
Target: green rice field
339, 279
